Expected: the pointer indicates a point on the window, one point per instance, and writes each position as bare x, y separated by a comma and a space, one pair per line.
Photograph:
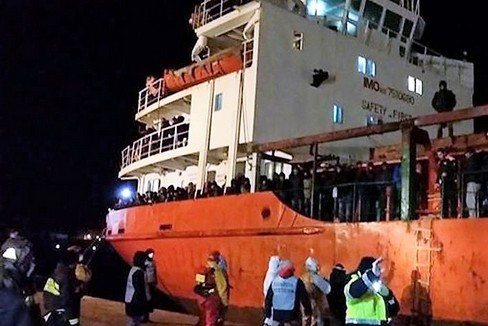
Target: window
392, 23
218, 102
298, 40
316, 7
338, 115
366, 66
372, 12
415, 85
407, 28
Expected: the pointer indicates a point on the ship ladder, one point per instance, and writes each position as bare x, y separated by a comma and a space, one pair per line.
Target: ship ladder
426, 248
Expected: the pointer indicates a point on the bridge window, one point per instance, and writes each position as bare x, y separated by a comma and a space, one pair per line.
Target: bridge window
392, 23
316, 7
372, 12
407, 28
218, 102
415, 85
337, 115
366, 66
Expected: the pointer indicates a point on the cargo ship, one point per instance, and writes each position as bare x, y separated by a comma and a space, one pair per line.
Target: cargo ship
275, 85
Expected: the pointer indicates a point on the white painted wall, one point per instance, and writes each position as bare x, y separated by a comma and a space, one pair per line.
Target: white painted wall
287, 106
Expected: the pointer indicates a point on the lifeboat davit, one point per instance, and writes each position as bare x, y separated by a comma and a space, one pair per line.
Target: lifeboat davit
215, 66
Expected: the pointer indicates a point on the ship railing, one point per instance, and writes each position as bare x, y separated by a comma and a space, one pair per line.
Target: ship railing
345, 202
210, 10
151, 94
413, 51
166, 139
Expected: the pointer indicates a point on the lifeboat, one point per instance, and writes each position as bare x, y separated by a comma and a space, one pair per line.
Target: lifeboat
215, 66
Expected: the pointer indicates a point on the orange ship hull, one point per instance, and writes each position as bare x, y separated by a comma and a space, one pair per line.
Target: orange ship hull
247, 229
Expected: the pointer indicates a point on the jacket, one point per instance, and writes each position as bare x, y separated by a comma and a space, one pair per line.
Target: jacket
59, 291
220, 283
368, 300
284, 297
136, 299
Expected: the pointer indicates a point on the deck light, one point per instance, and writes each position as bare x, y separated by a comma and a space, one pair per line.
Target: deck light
126, 193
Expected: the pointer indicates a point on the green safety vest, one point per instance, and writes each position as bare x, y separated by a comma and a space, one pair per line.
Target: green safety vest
370, 309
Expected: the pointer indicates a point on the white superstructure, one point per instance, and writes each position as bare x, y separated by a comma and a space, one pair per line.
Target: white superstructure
376, 73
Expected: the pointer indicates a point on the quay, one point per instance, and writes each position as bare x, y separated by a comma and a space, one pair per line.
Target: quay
101, 312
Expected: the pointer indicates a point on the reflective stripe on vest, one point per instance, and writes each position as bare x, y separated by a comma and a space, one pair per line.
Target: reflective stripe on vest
52, 287
284, 293
370, 309
129, 290
362, 321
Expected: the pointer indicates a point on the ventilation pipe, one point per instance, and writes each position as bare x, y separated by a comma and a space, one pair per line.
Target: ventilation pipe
200, 45
249, 28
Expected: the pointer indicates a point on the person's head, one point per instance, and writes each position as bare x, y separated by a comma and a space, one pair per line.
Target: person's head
384, 166
312, 265
442, 85
13, 233
286, 268
139, 259
70, 258
418, 167
441, 153
365, 264
149, 254
370, 166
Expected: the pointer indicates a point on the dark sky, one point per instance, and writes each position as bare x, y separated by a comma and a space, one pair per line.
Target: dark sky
70, 72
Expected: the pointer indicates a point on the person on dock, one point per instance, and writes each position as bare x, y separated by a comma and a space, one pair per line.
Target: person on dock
16, 267
221, 283
137, 291
271, 273
336, 298
208, 298
60, 299
151, 280
285, 297
369, 301
317, 288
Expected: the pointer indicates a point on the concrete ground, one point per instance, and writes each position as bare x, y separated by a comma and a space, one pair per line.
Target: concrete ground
100, 312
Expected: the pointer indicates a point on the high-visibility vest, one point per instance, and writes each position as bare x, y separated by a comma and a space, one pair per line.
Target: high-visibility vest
370, 309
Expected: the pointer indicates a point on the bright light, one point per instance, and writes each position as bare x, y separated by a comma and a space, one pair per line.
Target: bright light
58, 246
126, 193
94, 248
88, 236
316, 7
10, 254
377, 286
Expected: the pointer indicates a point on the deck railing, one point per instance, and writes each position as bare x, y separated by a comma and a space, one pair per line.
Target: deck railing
151, 94
157, 142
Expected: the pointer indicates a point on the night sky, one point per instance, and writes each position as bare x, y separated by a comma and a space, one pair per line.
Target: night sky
70, 72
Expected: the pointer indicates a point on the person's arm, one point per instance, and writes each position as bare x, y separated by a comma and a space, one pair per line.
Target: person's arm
304, 299
321, 283
268, 302
361, 285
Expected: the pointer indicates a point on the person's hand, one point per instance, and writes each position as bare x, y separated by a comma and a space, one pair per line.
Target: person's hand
377, 267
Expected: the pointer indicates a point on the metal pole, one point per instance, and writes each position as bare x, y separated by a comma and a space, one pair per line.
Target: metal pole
314, 177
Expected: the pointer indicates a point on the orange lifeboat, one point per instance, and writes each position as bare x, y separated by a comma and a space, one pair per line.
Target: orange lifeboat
215, 66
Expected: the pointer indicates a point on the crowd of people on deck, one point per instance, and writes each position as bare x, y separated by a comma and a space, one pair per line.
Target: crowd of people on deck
356, 192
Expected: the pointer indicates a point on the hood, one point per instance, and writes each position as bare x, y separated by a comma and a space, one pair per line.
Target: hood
286, 269
312, 265
365, 264
271, 273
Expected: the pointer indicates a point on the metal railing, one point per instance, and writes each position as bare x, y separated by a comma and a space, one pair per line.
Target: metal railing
210, 10
157, 142
151, 94
346, 202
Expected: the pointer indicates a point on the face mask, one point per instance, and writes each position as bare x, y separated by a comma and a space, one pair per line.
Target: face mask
151, 255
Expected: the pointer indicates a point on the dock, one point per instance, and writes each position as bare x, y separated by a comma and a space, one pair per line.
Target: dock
101, 312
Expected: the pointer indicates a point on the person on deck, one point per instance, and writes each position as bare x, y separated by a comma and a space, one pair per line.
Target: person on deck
444, 101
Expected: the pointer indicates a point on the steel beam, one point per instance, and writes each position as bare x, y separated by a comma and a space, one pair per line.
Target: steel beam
327, 137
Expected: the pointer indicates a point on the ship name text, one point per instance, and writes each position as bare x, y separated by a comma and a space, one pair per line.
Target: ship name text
388, 91
383, 111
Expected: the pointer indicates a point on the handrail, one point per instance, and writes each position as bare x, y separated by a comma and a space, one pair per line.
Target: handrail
155, 143
151, 94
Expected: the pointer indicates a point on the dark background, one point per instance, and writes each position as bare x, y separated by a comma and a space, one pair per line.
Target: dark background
70, 72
